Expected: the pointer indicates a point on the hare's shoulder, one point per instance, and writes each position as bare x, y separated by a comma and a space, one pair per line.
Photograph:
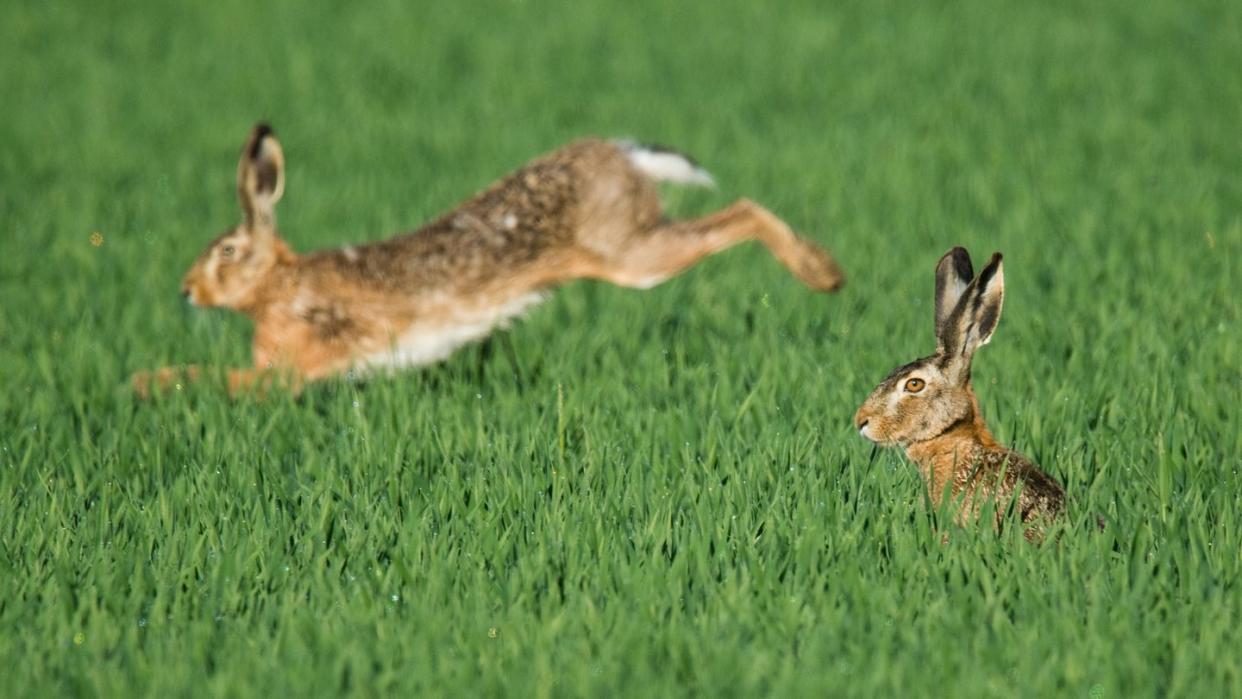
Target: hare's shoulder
1039, 491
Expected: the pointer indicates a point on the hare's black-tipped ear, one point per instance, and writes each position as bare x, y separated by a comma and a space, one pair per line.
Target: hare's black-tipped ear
990, 295
953, 275
260, 177
972, 322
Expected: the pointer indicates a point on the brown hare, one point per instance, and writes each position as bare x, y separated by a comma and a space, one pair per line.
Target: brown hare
589, 210
929, 408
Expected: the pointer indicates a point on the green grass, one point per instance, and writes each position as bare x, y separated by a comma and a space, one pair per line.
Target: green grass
636, 493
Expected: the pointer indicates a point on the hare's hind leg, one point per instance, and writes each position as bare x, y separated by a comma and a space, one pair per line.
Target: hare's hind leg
668, 249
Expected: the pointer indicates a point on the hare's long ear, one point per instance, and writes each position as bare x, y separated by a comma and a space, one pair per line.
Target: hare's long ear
953, 275
260, 177
972, 322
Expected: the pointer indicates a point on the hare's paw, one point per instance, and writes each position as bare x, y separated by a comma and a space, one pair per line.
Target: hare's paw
819, 270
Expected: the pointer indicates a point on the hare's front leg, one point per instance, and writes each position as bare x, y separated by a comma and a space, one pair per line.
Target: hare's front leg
147, 383
262, 381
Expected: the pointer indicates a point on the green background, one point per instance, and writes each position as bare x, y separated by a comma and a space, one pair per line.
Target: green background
638, 493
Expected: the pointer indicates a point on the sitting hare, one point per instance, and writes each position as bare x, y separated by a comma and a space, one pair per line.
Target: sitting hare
929, 408
589, 210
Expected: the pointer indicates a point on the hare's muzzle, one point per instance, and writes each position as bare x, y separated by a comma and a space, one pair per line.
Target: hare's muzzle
189, 295
861, 422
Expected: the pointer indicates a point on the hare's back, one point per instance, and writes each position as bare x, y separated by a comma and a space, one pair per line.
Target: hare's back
514, 223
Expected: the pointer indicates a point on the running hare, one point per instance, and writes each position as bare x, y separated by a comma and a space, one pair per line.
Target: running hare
929, 408
587, 210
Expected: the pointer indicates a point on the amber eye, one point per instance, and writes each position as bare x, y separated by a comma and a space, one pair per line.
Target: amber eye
914, 385
228, 250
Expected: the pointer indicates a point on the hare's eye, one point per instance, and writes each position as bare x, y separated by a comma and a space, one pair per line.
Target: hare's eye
228, 250
914, 385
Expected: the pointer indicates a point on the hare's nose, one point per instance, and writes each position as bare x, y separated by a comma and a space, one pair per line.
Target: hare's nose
185, 294
861, 422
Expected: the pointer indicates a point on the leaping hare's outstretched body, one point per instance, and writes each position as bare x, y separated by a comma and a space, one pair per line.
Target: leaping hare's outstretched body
929, 408
588, 210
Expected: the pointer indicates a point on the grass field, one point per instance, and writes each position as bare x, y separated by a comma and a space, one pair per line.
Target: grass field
632, 493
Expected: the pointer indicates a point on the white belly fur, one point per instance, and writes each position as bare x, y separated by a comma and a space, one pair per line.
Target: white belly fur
425, 343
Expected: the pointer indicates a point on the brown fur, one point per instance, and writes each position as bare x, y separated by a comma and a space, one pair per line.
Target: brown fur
584, 211
939, 423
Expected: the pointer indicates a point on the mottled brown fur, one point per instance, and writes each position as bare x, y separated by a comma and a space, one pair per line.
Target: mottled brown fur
584, 211
929, 407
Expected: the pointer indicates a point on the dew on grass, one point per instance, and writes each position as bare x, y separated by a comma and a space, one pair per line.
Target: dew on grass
142, 622
396, 598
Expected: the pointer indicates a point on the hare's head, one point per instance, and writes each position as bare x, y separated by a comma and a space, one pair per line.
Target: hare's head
227, 272
923, 399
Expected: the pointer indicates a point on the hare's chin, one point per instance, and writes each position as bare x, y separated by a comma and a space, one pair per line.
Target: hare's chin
868, 434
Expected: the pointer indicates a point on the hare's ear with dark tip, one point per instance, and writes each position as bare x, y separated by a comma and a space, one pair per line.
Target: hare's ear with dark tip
953, 275
989, 296
972, 322
260, 177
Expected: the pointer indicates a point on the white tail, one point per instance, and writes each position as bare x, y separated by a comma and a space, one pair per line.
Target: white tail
665, 165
